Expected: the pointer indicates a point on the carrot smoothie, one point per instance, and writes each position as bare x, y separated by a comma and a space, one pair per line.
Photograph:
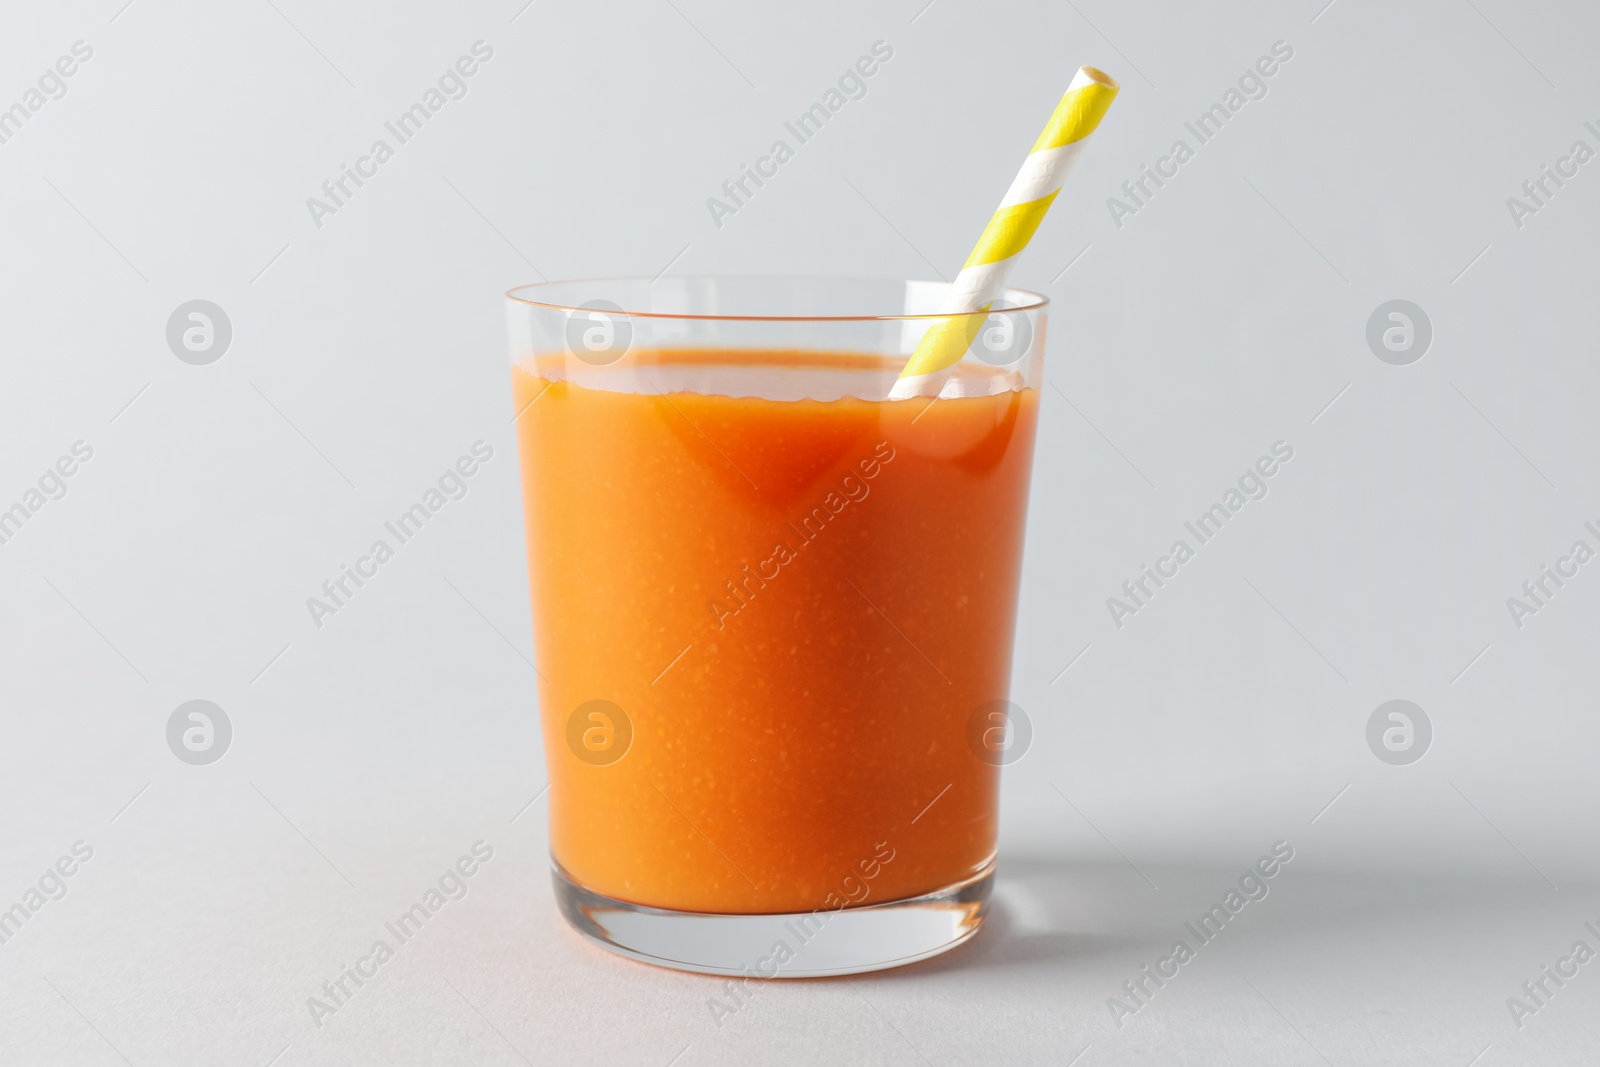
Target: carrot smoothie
782, 610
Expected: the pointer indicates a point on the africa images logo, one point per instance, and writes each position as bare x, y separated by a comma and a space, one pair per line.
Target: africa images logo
852, 85
338, 191
742, 589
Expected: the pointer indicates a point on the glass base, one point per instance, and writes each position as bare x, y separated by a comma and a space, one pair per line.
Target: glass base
805, 944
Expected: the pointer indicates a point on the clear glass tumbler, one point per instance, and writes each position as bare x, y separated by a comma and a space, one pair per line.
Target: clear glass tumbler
773, 612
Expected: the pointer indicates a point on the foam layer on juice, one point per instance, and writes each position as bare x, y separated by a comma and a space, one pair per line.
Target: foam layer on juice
782, 375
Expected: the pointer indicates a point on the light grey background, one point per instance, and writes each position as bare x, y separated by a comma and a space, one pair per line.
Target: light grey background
1229, 313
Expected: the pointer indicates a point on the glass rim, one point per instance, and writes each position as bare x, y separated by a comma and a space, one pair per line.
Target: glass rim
1036, 301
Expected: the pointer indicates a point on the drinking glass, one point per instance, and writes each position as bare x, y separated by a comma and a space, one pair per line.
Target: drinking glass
773, 612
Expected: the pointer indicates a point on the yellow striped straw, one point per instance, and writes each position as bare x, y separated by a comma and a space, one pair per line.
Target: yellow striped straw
1010, 228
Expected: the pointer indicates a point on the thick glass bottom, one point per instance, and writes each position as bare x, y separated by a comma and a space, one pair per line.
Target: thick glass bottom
804, 944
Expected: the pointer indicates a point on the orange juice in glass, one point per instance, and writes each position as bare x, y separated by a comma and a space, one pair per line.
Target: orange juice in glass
773, 612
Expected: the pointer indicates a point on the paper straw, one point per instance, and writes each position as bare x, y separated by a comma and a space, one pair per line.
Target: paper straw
1010, 229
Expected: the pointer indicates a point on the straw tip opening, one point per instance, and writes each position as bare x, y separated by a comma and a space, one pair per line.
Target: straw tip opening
1097, 76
